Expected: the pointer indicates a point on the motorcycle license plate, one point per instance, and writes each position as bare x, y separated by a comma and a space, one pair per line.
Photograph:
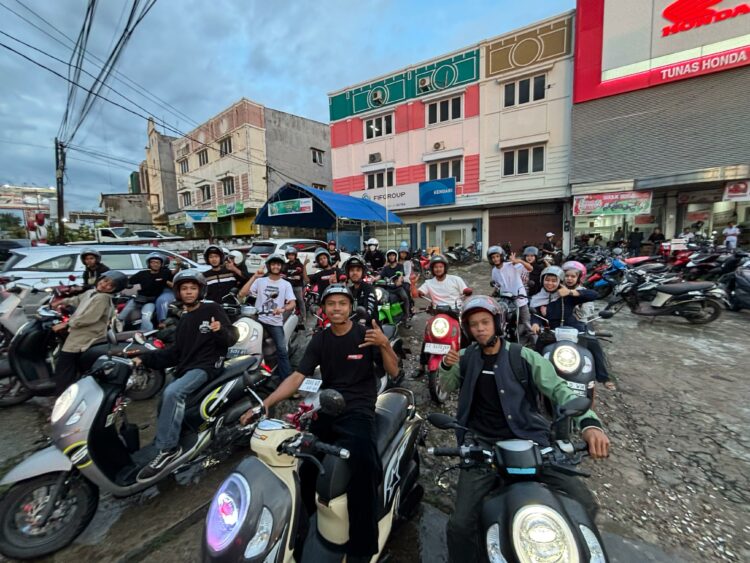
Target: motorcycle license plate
432, 348
578, 388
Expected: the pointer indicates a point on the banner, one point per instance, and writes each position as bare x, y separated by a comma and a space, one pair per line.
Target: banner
290, 207
437, 192
201, 216
394, 198
235, 208
737, 191
616, 203
176, 219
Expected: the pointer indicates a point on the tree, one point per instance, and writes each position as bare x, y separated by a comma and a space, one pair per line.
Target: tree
12, 225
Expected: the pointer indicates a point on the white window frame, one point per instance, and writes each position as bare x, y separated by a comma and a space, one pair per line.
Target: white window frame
202, 157
451, 117
229, 180
515, 84
531, 170
369, 122
206, 188
225, 143
450, 162
184, 166
187, 199
387, 174
317, 156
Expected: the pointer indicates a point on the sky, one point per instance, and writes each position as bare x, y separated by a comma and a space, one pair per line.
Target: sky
200, 57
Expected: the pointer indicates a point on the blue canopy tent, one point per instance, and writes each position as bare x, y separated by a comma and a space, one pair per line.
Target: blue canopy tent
290, 207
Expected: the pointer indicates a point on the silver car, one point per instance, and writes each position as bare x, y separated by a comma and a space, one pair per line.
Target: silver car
47, 266
262, 249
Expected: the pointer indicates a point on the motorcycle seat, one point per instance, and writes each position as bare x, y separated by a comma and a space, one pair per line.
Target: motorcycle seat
653, 268
389, 330
232, 368
684, 287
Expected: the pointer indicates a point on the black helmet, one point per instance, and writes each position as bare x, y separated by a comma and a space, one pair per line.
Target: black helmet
155, 256
91, 252
353, 261
439, 259
192, 275
336, 289
483, 303
118, 279
213, 249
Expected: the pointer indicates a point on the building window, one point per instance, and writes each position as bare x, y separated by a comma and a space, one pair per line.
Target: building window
228, 185
225, 146
379, 126
523, 161
445, 169
525, 91
184, 167
317, 156
203, 157
206, 192
444, 110
382, 179
187, 201
319, 186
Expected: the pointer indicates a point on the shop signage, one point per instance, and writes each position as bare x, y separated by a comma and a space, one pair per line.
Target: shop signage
202, 216
615, 203
290, 206
437, 192
695, 216
235, 208
689, 14
711, 196
737, 191
397, 197
177, 219
645, 219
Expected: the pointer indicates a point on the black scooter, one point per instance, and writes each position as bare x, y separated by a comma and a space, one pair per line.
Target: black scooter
527, 520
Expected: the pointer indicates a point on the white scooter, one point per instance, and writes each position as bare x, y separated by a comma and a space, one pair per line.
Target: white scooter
254, 340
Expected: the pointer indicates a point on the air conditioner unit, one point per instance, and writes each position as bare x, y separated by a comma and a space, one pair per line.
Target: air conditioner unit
377, 97
440, 145
424, 83
374, 157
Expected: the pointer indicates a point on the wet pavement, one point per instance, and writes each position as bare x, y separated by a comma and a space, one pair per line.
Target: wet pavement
674, 489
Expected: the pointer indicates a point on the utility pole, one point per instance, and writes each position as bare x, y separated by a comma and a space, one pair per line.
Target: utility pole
59, 171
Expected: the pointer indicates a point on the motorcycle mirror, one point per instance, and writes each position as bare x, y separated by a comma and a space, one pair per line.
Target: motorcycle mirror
606, 314
138, 337
331, 402
575, 407
111, 337
442, 421
468, 291
234, 290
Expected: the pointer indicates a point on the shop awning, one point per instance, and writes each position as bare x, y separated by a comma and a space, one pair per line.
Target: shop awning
302, 206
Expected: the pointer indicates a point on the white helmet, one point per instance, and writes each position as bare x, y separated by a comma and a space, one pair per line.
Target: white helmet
372, 242
549, 235
237, 257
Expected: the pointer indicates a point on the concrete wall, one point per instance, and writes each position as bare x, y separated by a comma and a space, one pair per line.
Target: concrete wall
130, 209
160, 175
289, 140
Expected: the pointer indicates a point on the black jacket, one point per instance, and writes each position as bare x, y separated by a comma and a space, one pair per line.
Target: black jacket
364, 296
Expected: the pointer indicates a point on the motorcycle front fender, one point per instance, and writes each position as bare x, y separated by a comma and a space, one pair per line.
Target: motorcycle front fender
48, 460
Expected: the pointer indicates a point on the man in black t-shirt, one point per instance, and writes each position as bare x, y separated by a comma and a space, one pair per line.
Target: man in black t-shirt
347, 353
295, 272
223, 276
335, 254
393, 272
152, 283
327, 273
363, 292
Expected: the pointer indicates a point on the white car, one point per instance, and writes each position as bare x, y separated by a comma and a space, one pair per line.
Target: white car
154, 234
262, 249
47, 266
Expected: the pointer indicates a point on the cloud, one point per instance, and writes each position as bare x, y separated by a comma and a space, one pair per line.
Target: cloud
200, 57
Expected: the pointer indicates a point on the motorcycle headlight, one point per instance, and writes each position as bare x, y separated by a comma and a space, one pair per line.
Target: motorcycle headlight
494, 552
259, 542
595, 548
439, 328
64, 402
379, 294
566, 359
227, 512
542, 534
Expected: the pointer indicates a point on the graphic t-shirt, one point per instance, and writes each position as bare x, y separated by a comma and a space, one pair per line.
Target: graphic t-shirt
270, 295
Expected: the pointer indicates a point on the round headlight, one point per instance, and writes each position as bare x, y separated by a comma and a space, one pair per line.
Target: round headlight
227, 512
542, 534
63, 403
566, 359
440, 327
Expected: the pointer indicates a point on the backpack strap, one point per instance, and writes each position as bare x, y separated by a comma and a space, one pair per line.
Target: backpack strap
522, 371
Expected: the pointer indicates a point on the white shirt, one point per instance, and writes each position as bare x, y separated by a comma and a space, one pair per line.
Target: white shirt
271, 294
508, 280
446, 292
731, 234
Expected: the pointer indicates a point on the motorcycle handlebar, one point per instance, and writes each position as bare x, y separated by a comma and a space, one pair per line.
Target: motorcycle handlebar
343, 453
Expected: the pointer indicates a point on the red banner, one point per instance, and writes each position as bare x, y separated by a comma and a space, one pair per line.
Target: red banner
615, 203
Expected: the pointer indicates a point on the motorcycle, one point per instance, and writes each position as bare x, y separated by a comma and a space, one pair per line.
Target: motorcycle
603, 281
53, 494
697, 302
257, 513
441, 332
527, 520
737, 286
421, 264
508, 302
390, 317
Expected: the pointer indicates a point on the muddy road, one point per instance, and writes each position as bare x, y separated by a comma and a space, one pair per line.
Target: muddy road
676, 487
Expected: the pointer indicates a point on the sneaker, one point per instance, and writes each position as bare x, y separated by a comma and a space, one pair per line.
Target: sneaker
157, 465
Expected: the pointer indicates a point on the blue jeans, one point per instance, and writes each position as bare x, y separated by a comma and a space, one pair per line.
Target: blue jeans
277, 333
162, 304
146, 310
173, 407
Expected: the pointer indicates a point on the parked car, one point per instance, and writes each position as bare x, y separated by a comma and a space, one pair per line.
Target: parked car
48, 266
154, 234
9, 244
261, 249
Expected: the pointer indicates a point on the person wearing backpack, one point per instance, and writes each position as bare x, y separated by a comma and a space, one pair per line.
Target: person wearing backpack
499, 384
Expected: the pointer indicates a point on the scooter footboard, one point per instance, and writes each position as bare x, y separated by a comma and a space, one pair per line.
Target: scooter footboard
48, 460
